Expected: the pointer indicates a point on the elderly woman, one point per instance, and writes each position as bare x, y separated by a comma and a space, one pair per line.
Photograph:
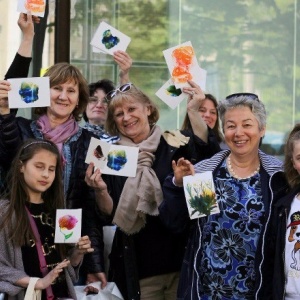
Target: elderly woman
225, 251
146, 257
58, 123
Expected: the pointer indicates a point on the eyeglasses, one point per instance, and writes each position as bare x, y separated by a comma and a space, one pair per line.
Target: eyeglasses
122, 89
94, 101
249, 95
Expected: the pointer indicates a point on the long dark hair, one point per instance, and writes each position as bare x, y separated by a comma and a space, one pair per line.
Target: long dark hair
18, 196
291, 174
186, 125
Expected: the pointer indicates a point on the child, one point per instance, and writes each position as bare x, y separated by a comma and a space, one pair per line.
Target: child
283, 238
35, 193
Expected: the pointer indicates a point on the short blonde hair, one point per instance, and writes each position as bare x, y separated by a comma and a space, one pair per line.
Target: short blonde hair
132, 94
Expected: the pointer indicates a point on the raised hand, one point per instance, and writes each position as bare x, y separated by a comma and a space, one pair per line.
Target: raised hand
182, 168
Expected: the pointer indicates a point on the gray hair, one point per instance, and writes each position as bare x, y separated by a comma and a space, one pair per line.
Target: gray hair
255, 105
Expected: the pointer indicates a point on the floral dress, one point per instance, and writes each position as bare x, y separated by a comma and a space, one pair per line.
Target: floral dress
230, 238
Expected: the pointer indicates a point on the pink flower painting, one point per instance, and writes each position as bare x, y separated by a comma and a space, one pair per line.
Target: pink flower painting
66, 224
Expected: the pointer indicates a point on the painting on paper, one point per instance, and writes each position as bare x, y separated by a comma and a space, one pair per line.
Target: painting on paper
36, 7
169, 94
108, 39
183, 65
68, 226
200, 195
29, 92
113, 159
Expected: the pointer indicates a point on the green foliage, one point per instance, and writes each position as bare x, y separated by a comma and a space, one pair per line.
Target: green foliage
202, 203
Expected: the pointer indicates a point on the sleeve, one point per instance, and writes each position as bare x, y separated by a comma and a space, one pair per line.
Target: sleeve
19, 67
173, 210
10, 139
198, 149
10, 258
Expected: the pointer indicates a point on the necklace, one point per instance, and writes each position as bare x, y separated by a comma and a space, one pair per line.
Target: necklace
231, 171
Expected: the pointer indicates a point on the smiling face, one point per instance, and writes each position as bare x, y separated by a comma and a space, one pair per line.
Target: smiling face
131, 118
64, 98
96, 112
208, 112
241, 131
39, 173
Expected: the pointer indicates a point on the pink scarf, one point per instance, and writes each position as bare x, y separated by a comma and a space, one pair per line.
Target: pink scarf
60, 133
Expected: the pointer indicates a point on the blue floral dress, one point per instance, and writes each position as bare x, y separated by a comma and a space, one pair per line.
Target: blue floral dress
230, 238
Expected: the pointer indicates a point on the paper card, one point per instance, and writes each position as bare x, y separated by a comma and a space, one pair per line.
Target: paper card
109, 39
67, 226
113, 159
97, 50
200, 195
183, 65
29, 92
36, 7
170, 95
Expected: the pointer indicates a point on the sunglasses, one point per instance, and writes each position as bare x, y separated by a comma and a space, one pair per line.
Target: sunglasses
249, 95
122, 89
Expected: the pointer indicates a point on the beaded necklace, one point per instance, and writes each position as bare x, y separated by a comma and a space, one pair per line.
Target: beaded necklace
231, 171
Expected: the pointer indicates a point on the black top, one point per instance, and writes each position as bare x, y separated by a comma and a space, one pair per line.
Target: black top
46, 226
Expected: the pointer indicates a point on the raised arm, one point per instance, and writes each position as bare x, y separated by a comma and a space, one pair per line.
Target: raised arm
196, 96
124, 62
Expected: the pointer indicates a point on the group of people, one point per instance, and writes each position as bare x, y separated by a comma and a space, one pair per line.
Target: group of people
158, 252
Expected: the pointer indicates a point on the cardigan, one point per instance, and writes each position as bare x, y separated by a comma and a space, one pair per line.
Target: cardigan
12, 269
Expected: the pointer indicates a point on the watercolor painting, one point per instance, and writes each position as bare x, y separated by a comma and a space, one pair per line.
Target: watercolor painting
108, 39
36, 7
171, 95
68, 225
112, 159
29, 92
183, 65
200, 195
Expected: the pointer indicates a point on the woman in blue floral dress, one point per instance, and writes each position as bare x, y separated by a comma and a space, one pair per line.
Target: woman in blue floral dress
225, 252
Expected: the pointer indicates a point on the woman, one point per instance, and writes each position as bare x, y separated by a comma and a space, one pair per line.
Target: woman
146, 258
35, 194
226, 250
96, 110
58, 123
209, 113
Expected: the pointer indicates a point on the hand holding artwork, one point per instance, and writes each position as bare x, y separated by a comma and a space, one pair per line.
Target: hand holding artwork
84, 245
196, 96
94, 179
182, 168
46, 281
26, 24
124, 62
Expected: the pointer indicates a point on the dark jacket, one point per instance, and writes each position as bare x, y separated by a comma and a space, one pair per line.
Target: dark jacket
154, 250
174, 212
274, 283
14, 130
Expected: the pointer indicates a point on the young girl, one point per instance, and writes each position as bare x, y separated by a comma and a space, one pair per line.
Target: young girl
35, 192
283, 238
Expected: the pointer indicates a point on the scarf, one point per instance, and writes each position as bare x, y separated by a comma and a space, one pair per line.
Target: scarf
60, 133
142, 194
